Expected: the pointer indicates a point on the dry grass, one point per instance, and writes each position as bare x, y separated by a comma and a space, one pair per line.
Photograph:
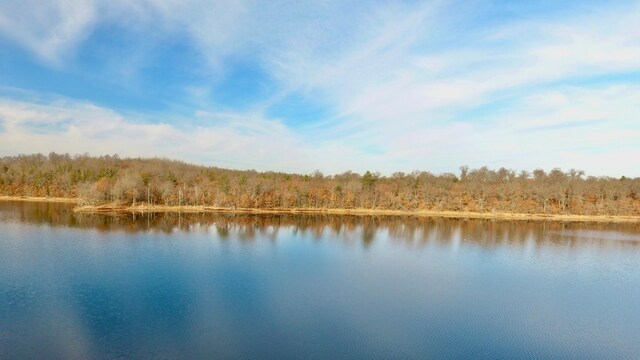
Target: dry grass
39, 199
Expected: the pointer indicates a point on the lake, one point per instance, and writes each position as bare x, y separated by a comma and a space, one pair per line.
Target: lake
78, 286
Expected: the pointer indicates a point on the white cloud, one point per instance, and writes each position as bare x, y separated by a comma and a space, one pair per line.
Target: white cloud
570, 127
415, 101
218, 29
246, 141
48, 28
407, 81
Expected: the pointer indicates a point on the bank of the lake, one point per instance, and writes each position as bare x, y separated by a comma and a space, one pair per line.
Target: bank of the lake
39, 199
142, 207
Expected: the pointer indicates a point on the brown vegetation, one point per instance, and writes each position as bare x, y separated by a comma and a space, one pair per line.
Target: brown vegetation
165, 183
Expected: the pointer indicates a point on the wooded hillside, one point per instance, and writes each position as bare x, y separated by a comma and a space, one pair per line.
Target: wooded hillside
109, 179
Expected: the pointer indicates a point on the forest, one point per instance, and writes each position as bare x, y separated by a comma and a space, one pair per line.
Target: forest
95, 180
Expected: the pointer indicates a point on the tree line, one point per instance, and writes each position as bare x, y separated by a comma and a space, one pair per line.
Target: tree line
111, 179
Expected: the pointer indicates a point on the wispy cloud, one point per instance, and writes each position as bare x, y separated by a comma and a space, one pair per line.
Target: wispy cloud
49, 29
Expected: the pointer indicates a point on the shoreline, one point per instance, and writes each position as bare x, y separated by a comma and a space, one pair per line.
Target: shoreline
39, 199
362, 212
114, 208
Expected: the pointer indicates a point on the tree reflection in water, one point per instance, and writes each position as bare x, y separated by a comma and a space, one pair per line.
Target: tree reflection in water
411, 231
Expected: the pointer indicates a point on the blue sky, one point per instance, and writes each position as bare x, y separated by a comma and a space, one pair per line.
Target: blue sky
329, 85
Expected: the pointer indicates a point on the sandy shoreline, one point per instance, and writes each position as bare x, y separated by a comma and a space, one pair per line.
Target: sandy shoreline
112, 208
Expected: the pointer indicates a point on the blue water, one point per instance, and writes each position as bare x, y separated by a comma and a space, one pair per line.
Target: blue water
276, 287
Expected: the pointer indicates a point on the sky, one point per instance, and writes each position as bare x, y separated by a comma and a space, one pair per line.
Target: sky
330, 85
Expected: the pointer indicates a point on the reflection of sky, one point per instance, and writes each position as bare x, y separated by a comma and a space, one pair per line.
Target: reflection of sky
288, 293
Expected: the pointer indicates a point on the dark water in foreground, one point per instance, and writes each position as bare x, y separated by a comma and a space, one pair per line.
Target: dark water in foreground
222, 286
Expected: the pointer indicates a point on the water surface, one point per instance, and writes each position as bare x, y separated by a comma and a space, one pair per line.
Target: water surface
248, 286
